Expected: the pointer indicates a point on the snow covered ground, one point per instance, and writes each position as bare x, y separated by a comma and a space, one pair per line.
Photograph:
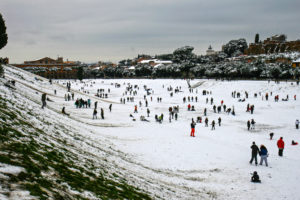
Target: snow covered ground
215, 162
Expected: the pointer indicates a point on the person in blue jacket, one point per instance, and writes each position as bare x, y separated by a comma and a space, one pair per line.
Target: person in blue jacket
263, 155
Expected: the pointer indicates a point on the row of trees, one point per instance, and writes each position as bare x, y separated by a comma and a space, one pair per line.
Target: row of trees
229, 70
188, 65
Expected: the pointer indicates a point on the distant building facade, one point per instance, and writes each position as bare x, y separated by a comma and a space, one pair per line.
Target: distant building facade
154, 62
210, 51
296, 63
274, 44
51, 68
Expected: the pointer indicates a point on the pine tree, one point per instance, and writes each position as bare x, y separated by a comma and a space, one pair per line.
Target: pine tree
256, 38
3, 35
80, 73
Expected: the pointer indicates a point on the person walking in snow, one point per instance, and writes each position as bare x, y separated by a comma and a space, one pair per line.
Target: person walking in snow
219, 121
271, 136
95, 114
252, 124
44, 100
280, 145
193, 124
254, 153
102, 113
297, 124
252, 109
148, 112
248, 124
110, 105
206, 122
214, 107
263, 155
213, 125
135, 109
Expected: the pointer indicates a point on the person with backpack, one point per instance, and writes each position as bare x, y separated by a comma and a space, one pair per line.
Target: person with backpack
280, 145
254, 153
263, 155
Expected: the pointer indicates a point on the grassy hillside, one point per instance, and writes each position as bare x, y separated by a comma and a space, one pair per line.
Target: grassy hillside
52, 168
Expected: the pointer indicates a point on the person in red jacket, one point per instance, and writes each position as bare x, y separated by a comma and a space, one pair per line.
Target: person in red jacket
193, 124
280, 145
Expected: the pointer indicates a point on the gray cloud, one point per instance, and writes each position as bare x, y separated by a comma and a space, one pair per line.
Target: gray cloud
89, 30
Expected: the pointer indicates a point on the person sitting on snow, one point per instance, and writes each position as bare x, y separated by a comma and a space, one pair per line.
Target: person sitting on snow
193, 108
294, 143
64, 112
255, 178
142, 118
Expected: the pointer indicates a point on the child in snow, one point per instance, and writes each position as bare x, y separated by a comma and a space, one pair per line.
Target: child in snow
255, 178
294, 143
271, 136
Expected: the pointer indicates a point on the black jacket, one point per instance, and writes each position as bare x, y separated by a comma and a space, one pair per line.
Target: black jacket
255, 149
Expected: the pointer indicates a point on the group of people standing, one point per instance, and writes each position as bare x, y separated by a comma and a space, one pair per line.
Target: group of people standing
263, 152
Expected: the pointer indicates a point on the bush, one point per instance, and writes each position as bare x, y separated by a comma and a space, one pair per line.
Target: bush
1, 71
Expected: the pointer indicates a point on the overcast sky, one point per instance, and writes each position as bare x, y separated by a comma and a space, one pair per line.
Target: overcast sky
112, 30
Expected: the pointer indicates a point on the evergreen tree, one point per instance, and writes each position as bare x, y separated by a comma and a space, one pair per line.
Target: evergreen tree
3, 35
256, 38
80, 73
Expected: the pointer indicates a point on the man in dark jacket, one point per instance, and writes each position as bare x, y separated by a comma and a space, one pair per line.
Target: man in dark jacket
255, 151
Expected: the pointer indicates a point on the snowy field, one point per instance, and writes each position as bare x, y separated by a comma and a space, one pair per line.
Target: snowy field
215, 161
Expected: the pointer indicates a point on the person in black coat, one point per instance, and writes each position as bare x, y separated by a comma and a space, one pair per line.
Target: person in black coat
255, 178
255, 151
248, 125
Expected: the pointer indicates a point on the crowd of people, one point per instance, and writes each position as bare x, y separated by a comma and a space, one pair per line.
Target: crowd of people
191, 103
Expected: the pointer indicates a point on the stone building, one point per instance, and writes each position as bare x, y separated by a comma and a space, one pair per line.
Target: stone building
51, 68
274, 44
